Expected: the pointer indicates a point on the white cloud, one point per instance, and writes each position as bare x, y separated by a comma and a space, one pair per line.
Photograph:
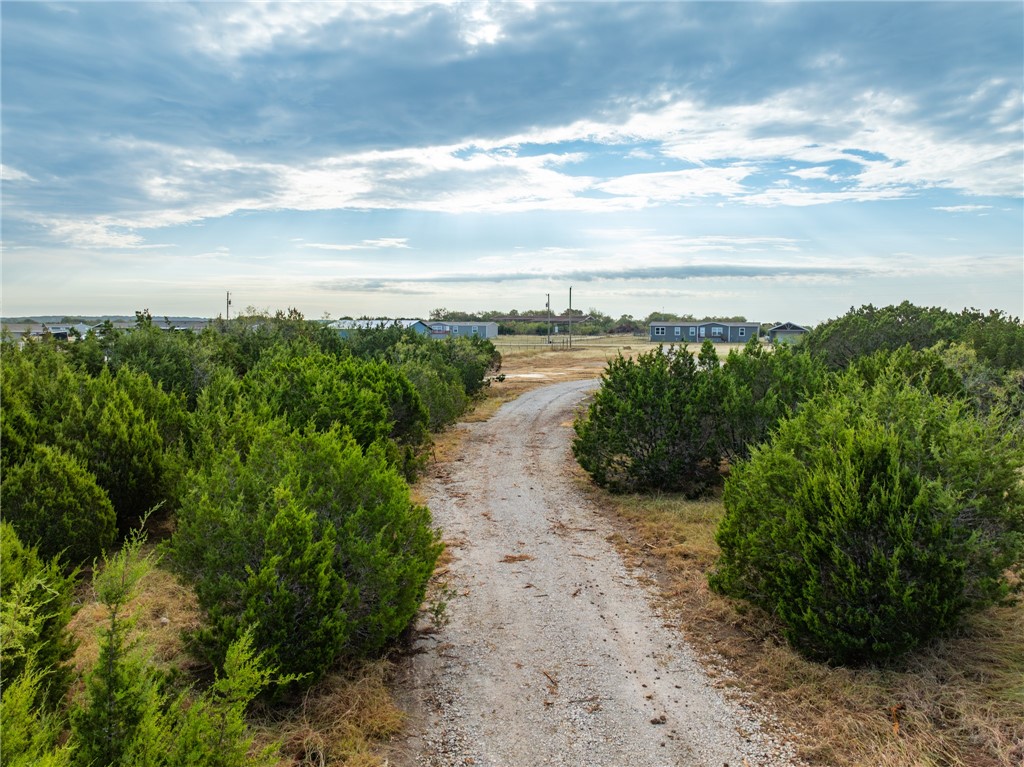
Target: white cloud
390, 243
669, 186
229, 31
7, 173
98, 233
962, 208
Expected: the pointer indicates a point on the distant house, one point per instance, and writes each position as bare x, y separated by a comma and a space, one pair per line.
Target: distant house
344, 327
697, 332
463, 329
786, 333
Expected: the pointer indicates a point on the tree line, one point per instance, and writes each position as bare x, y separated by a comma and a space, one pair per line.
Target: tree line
279, 452
592, 322
872, 474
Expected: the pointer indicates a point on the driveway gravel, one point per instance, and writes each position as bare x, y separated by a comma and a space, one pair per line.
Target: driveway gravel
552, 653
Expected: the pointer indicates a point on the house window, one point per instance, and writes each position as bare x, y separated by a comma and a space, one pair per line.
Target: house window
716, 331
659, 331
693, 332
455, 330
743, 332
474, 330
679, 332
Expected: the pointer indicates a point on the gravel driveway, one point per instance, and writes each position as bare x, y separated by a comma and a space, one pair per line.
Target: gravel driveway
552, 653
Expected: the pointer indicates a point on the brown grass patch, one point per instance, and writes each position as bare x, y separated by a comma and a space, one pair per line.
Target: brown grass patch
957, 703
162, 609
340, 721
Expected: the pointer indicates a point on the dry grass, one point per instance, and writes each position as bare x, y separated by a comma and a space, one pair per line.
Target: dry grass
163, 609
958, 703
341, 721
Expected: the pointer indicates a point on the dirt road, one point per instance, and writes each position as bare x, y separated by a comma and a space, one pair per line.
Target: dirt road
552, 653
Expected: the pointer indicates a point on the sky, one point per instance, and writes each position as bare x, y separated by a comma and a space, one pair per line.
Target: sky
779, 161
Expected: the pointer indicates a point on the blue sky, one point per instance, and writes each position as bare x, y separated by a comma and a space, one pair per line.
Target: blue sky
782, 161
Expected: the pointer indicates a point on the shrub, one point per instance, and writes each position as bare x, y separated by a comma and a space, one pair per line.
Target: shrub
126, 716
760, 387
474, 358
55, 504
310, 388
868, 329
651, 425
119, 720
311, 538
36, 610
440, 389
30, 733
874, 519
998, 340
120, 446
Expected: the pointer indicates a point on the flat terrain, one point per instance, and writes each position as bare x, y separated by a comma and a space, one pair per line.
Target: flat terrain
549, 651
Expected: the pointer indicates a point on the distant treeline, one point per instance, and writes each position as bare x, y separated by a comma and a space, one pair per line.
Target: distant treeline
591, 322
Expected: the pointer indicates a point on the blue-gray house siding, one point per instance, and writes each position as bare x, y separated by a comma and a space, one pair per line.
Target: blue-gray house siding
697, 332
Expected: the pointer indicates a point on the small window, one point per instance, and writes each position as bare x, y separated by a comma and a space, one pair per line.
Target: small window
693, 331
743, 332
659, 331
455, 330
679, 332
474, 330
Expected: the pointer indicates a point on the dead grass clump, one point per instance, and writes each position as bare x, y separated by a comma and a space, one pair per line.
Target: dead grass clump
956, 703
341, 721
512, 558
163, 609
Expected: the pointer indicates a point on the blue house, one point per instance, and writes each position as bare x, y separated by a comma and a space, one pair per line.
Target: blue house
463, 329
680, 332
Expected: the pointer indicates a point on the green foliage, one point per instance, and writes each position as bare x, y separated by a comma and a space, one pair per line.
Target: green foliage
311, 538
30, 733
211, 730
118, 721
296, 585
309, 388
35, 610
440, 390
998, 340
874, 519
122, 448
109, 423
54, 503
866, 330
992, 391
173, 360
127, 717
474, 358
760, 387
651, 424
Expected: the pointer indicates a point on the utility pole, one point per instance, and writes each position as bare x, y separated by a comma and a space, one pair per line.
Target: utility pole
548, 307
570, 316
227, 309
